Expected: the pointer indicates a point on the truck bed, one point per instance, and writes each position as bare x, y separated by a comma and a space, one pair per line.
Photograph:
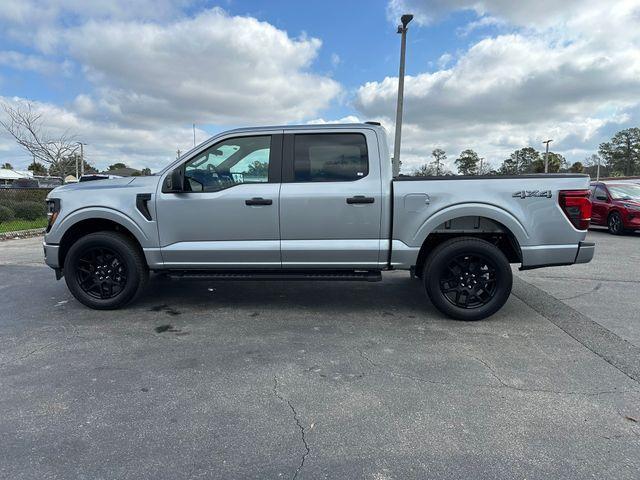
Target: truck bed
525, 206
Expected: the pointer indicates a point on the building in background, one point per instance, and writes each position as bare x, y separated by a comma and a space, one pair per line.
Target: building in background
26, 179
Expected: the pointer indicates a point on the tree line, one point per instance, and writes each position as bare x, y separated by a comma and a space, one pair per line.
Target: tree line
620, 156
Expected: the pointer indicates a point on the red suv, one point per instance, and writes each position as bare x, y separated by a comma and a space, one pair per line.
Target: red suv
615, 205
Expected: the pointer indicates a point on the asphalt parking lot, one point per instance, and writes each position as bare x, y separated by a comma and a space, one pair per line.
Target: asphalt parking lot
322, 380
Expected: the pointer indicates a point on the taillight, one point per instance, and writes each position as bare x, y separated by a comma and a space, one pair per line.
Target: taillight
53, 208
576, 205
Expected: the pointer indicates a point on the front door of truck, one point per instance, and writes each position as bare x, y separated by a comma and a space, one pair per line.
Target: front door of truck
330, 200
227, 217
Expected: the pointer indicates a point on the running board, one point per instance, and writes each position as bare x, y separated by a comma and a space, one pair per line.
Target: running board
326, 275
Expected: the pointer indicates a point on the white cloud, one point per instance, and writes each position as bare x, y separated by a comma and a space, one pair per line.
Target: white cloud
347, 119
35, 63
572, 76
212, 68
444, 60
539, 13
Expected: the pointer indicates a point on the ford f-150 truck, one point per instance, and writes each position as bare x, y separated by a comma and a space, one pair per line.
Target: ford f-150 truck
313, 202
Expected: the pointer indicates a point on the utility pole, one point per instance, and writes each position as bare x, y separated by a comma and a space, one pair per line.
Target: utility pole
598, 170
177, 154
481, 160
402, 29
546, 156
81, 160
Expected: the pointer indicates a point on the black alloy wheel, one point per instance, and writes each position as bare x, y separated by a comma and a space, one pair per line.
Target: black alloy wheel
615, 224
101, 273
469, 281
467, 278
105, 270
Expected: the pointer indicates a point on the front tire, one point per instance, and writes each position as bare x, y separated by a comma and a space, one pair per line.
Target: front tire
467, 278
105, 270
614, 223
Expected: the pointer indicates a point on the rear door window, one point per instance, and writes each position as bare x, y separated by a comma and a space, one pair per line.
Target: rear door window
330, 157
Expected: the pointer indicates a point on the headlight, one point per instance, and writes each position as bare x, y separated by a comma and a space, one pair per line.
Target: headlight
635, 208
53, 209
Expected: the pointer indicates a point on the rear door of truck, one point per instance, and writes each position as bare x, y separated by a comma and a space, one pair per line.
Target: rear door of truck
330, 199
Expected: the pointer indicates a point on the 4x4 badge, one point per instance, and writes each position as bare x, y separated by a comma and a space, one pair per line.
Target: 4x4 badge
532, 193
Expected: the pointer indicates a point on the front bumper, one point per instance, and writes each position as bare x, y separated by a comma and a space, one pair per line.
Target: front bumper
632, 220
51, 255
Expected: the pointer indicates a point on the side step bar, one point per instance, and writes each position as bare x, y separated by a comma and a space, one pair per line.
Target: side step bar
335, 275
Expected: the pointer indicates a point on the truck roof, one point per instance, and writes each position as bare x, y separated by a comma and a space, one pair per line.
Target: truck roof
309, 126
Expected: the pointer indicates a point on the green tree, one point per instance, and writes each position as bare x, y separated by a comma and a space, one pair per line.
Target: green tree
258, 169
439, 156
520, 162
425, 170
590, 166
468, 162
622, 153
576, 167
146, 171
117, 166
430, 170
7, 165
88, 168
556, 163
37, 168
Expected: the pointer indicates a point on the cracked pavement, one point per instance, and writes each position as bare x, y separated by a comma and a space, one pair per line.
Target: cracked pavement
302, 380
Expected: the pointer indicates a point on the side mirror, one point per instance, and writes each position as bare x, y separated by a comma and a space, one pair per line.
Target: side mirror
174, 182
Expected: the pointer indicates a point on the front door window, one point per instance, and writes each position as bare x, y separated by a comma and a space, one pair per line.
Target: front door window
230, 162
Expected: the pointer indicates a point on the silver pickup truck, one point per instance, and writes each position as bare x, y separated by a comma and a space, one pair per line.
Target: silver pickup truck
319, 203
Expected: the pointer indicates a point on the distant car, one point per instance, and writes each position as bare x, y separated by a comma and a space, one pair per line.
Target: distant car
97, 176
615, 205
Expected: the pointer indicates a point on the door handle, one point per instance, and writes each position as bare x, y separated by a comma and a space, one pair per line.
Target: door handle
360, 199
258, 201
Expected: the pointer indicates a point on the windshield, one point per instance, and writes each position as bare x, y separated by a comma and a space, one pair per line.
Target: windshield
624, 192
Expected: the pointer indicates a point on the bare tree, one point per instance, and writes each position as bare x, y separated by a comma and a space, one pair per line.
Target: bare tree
25, 125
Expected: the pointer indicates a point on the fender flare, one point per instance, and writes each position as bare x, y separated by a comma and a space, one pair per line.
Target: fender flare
486, 210
102, 213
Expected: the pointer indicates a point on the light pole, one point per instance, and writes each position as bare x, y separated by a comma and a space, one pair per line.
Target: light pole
546, 156
402, 29
81, 160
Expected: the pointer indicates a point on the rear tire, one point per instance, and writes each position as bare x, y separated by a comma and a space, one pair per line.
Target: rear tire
614, 224
467, 278
105, 270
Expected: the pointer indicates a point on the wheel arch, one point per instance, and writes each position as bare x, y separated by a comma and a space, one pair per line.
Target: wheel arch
96, 223
500, 229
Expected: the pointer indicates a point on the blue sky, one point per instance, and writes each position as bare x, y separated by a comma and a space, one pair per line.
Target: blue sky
492, 75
